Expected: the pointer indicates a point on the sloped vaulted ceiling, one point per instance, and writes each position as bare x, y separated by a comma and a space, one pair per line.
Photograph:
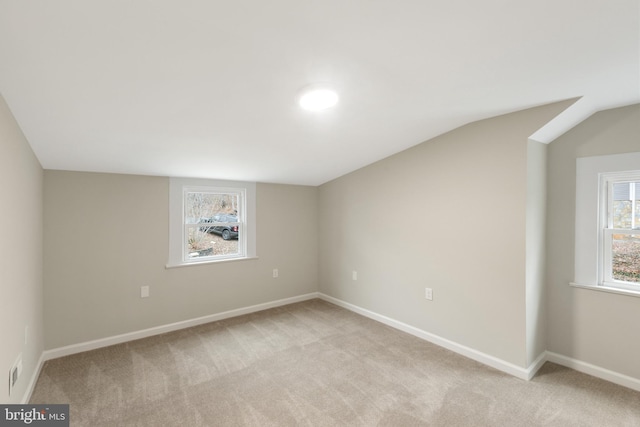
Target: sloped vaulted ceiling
208, 88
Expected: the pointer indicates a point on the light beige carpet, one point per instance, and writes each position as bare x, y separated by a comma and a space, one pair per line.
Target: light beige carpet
316, 364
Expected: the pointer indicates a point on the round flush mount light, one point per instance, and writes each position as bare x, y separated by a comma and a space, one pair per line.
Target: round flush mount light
318, 98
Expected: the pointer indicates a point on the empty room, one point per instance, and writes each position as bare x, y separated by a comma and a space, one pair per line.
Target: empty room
320, 213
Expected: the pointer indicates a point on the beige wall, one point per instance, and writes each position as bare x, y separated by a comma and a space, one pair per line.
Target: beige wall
449, 214
594, 327
20, 256
106, 235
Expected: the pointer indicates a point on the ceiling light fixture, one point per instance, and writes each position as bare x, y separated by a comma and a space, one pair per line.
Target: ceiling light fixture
318, 98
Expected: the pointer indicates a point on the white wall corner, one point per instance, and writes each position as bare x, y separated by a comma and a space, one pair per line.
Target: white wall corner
533, 369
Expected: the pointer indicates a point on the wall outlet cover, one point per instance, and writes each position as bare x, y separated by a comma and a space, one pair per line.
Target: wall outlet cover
14, 373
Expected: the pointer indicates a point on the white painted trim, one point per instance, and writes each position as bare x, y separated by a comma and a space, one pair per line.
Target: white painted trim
176, 222
590, 208
602, 288
595, 371
486, 359
211, 261
130, 336
34, 379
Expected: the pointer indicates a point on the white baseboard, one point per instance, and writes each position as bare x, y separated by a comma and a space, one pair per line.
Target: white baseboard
525, 374
117, 339
33, 380
494, 362
594, 371
536, 365
130, 336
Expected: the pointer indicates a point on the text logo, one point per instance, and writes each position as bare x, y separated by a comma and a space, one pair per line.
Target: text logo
34, 415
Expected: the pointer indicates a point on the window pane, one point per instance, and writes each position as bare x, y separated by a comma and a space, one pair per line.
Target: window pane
626, 209
621, 191
622, 214
201, 243
626, 257
217, 229
200, 206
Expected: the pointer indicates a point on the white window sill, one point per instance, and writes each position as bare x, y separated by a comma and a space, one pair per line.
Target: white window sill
607, 289
212, 261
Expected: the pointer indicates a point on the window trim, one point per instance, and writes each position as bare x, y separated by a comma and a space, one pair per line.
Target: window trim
590, 214
177, 226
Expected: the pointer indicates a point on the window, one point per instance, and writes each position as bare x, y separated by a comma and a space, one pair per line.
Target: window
210, 221
213, 223
607, 228
620, 225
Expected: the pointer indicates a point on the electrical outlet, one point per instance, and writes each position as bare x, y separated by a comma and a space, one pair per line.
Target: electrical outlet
14, 373
428, 294
144, 291
26, 334
275, 273
354, 275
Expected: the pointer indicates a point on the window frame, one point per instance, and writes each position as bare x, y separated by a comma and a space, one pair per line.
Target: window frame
178, 226
607, 181
590, 212
242, 238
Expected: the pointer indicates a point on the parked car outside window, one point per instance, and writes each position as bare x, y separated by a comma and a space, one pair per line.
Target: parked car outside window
227, 231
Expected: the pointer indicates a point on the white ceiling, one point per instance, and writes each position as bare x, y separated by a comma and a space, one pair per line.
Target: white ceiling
207, 88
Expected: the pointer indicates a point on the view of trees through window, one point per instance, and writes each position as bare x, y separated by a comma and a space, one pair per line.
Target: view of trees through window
211, 221
626, 246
